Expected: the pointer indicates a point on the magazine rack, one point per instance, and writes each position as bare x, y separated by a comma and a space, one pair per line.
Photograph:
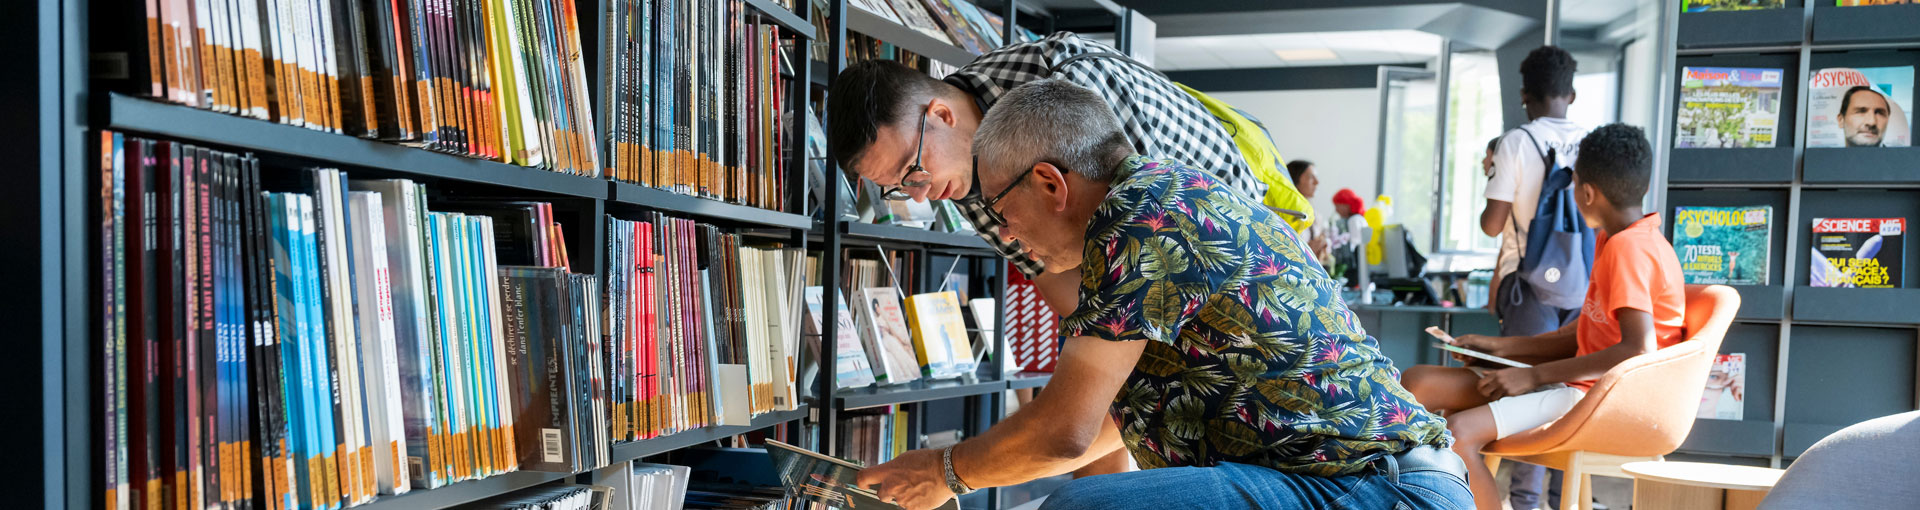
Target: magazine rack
1818, 359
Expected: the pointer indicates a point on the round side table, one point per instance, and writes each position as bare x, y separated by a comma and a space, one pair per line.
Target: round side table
1697, 486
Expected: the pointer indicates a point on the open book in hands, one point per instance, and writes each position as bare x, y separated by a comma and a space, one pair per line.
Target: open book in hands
821, 479
1447, 344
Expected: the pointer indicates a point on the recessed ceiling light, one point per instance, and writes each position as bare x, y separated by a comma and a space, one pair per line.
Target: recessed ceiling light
1305, 54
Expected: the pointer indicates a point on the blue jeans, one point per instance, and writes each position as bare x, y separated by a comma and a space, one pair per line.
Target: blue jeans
1242, 486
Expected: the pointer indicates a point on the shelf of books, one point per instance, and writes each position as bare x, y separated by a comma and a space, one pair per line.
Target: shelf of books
708, 209
134, 114
781, 14
918, 391
902, 234
1790, 178
430, 254
877, 19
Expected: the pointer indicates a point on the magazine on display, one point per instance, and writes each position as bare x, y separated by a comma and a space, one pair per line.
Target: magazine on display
1726, 391
1861, 3
1728, 108
1734, 5
1723, 245
1857, 252
1860, 107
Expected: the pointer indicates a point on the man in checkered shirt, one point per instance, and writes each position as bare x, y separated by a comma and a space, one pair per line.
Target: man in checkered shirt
913, 134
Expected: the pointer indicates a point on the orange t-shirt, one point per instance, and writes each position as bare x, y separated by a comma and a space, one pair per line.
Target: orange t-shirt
1636, 268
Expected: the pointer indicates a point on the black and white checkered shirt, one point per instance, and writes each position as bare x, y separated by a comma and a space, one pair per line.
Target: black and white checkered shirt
1160, 119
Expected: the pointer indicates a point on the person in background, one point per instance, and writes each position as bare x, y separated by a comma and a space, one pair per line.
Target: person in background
1207, 344
1304, 180
1636, 303
1353, 218
1513, 191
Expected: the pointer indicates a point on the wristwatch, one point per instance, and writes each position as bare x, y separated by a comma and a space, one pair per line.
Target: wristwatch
953, 481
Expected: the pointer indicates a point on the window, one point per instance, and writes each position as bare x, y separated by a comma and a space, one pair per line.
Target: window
1473, 118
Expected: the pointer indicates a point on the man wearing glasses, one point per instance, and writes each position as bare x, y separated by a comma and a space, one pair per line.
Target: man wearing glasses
1208, 343
912, 134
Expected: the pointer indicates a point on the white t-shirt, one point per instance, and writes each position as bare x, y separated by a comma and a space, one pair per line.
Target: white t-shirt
1518, 169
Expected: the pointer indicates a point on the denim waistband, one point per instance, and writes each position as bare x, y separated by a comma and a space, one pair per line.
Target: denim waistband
1422, 458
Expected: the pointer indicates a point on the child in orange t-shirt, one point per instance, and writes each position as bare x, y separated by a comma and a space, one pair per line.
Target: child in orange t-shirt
1635, 304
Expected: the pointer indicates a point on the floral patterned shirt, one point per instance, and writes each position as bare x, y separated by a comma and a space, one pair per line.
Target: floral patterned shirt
1254, 358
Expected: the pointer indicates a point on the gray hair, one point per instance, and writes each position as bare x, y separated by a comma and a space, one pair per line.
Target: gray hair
1053, 121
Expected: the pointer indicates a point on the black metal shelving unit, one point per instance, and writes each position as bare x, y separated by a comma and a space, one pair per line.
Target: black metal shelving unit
1804, 345
55, 109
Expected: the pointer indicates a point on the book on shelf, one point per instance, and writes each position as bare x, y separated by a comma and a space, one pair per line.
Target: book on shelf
955, 25
300, 339
1728, 107
1863, 3
875, 7
1860, 107
915, 16
985, 311
862, 47
1724, 245
688, 307
883, 328
552, 353
851, 368
1730, 5
1725, 396
643, 486
543, 497
697, 100
1857, 252
940, 339
983, 22
497, 80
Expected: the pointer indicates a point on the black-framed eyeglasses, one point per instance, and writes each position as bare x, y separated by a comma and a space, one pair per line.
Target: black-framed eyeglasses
917, 176
988, 206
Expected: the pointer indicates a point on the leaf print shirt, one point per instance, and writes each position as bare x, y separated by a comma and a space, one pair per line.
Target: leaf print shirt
1253, 359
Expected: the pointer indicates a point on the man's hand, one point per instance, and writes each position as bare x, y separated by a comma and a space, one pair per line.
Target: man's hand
915, 480
1503, 383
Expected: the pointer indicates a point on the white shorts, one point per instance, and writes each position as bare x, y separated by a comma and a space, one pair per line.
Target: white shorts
1518, 413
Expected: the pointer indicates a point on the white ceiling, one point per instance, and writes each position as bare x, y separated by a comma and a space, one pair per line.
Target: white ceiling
1579, 14
1365, 47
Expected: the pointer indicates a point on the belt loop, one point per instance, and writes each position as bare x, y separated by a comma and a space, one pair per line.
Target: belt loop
1393, 469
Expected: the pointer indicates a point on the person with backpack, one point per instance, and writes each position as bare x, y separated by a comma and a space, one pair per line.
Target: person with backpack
1520, 163
1635, 305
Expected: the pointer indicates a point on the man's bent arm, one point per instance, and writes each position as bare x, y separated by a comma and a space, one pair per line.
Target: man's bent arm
1493, 219
1064, 428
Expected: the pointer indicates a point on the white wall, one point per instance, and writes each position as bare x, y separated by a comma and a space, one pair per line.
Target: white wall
1337, 129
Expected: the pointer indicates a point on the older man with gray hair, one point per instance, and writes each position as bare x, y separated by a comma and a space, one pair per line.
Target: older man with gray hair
1207, 341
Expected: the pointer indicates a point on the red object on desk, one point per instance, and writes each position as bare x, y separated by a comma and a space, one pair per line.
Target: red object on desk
1033, 331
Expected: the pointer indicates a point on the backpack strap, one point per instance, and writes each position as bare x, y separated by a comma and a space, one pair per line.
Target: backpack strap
1546, 165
